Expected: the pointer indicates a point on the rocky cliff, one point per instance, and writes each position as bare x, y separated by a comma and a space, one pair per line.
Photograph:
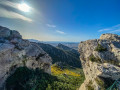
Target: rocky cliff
101, 61
16, 52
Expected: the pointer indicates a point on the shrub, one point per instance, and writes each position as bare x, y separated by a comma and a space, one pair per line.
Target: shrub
92, 58
114, 62
104, 83
90, 86
100, 48
57, 71
100, 82
29, 79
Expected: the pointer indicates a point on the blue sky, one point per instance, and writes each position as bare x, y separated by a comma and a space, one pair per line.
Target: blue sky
62, 20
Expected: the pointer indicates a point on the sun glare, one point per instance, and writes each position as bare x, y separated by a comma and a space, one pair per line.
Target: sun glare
24, 7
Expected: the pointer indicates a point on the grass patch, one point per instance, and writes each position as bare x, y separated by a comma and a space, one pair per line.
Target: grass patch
100, 48
100, 82
104, 83
90, 86
71, 77
114, 62
57, 71
92, 58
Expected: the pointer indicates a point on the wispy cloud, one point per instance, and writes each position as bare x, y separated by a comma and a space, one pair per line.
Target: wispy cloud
10, 4
101, 30
10, 14
113, 29
52, 26
60, 32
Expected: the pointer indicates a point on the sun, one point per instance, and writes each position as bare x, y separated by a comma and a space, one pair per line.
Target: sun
24, 7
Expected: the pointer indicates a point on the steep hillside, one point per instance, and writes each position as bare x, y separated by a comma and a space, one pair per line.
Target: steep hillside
16, 52
101, 62
62, 54
68, 49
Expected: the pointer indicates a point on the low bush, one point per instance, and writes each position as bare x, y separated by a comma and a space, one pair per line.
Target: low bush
92, 58
90, 86
29, 79
100, 48
100, 82
104, 83
114, 62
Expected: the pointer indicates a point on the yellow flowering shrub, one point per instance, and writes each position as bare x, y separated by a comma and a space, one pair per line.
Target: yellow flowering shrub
57, 71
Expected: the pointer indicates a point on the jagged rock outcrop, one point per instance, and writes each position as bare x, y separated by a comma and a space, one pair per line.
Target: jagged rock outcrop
16, 52
100, 61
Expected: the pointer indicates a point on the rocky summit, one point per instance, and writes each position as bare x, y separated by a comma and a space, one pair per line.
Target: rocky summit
101, 61
16, 52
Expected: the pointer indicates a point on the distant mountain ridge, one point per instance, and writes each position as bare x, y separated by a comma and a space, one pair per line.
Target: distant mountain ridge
73, 45
62, 54
66, 48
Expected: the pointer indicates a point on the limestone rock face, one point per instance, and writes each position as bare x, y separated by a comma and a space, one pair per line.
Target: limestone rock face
113, 37
16, 52
100, 60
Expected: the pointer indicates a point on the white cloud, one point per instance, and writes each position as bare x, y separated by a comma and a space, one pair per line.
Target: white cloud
10, 14
101, 30
118, 25
10, 4
60, 32
115, 31
112, 29
52, 26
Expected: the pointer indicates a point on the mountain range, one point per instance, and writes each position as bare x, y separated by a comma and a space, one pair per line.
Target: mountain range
62, 54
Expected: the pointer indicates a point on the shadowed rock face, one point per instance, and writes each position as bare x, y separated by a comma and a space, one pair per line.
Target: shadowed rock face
16, 52
100, 58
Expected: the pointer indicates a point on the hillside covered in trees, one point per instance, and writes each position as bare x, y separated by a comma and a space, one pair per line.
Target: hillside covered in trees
62, 55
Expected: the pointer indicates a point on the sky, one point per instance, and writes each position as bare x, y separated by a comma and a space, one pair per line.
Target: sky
61, 20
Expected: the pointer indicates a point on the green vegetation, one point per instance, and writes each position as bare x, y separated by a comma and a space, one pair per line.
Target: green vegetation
104, 82
24, 60
100, 82
72, 77
63, 54
92, 58
29, 79
90, 86
100, 48
114, 62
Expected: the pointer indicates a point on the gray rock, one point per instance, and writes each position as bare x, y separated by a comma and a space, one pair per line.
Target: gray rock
15, 34
108, 64
4, 32
16, 52
109, 36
